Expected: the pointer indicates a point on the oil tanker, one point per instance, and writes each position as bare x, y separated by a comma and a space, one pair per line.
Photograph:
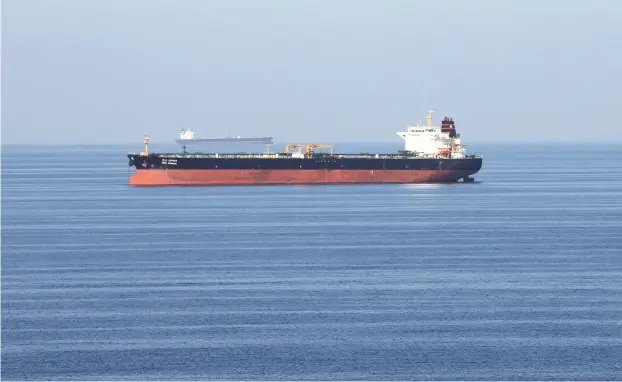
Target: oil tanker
187, 137
431, 154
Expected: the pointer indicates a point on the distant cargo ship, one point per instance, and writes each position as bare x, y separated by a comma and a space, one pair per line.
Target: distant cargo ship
186, 137
431, 154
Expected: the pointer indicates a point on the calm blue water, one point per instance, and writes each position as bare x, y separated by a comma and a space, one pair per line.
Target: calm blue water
517, 276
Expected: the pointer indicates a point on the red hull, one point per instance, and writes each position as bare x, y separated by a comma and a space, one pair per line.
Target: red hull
163, 177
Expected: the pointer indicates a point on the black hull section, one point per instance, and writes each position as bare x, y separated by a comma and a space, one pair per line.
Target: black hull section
194, 162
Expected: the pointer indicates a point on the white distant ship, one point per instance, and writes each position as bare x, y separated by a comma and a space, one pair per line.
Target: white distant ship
186, 137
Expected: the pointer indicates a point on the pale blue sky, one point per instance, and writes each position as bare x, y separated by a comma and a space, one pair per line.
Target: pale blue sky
107, 71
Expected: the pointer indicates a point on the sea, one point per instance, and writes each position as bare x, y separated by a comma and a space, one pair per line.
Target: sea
517, 276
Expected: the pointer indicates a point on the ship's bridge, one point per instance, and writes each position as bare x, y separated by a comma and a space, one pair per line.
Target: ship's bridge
429, 139
425, 140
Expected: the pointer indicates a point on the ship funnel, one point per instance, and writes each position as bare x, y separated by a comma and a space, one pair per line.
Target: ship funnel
448, 126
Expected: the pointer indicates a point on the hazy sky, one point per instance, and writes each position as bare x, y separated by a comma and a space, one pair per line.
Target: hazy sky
323, 71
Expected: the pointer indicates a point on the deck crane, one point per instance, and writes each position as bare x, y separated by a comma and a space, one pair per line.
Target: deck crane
309, 149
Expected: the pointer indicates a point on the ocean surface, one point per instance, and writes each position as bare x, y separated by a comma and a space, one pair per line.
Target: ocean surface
515, 277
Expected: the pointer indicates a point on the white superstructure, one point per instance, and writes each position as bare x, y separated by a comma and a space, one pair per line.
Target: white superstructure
186, 134
430, 141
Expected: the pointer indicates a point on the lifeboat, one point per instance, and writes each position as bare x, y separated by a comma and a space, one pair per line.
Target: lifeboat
443, 152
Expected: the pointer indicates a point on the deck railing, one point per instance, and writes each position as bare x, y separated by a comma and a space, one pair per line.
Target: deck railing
289, 156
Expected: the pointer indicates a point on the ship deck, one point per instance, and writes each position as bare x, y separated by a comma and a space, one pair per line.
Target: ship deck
290, 155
